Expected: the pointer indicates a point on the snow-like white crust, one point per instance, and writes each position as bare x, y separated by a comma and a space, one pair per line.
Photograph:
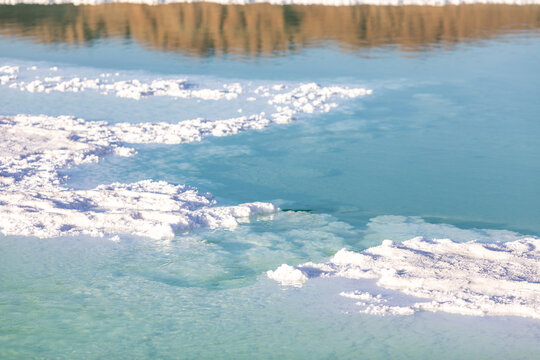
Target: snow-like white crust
133, 89
34, 200
287, 275
280, 2
25, 79
8, 74
286, 100
468, 278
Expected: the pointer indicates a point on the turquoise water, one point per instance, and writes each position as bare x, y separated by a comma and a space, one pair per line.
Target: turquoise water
449, 136
68, 298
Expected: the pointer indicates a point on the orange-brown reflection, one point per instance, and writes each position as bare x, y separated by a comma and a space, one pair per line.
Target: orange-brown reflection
254, 30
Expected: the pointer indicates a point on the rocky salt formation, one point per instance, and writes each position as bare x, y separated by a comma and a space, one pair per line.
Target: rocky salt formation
34, 200
469, 278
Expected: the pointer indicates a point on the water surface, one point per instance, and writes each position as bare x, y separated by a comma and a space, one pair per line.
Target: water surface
450, 136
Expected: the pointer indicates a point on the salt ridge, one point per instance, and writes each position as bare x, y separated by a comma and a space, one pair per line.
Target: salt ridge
281, 2
468, 278
35, 202
133, 88
287, 101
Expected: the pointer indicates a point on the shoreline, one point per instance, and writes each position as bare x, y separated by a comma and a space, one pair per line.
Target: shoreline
279, 2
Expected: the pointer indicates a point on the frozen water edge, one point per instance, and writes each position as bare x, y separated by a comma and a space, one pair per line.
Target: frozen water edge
35, 202
468, 278
281, 2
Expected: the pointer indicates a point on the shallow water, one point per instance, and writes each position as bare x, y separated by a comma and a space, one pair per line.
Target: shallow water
447, 143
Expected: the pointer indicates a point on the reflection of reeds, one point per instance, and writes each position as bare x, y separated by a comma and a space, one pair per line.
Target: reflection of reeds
205, 28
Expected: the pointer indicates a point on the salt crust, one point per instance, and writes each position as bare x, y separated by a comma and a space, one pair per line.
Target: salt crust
288, 275
286, 100
105, 83
34, 201
281, 2
8, 74
468, 278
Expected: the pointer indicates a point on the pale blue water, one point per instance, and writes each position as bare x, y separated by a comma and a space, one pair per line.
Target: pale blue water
448, 136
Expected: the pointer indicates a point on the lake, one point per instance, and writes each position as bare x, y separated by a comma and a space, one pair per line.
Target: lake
445, 146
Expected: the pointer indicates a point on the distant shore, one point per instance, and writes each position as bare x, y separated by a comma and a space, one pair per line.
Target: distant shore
280, 2
196, 29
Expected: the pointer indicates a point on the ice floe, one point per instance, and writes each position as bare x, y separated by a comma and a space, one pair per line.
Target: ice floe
469, 278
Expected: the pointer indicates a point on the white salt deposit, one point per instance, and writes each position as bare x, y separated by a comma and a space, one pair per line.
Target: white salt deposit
468, 278
288, 275
9, 69
8, 74
281, 2
133, 89
285, 101
34, 200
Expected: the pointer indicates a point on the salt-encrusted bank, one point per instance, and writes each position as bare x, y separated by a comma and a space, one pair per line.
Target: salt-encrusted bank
281, 2
34, 201
468, 278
